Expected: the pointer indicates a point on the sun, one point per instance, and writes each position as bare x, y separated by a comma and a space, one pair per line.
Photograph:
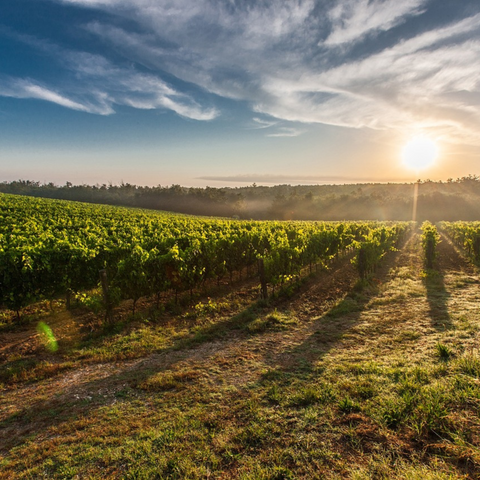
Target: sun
419, 153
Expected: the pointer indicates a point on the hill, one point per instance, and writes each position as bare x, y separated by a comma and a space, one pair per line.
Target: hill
451, 200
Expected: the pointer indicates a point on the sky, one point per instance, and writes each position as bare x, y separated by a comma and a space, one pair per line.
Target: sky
232, 92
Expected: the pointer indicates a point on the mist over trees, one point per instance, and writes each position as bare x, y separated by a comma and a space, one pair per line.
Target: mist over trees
451, 200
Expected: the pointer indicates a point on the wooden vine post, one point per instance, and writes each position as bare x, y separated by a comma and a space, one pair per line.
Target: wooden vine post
263, 281
106, 295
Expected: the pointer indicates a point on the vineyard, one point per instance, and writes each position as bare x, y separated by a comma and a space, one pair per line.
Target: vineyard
466, 235
189, 348
50, 248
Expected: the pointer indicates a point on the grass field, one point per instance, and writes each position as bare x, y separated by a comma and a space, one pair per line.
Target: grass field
334, 379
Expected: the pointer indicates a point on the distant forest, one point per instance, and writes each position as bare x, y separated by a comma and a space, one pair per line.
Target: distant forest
451, 200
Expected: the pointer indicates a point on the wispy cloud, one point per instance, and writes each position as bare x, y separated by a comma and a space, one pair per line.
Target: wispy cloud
24, 88
422, 81
95, 85
260, 123
292, 60
354, 19
276, 128
286, 132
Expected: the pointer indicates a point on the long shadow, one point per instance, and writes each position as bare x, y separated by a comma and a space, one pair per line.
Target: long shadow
68, 405
437, 297
447, 260
333, 325
56, 410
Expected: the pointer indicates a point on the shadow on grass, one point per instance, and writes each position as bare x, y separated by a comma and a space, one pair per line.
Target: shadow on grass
437, 297
73, 402
333, 325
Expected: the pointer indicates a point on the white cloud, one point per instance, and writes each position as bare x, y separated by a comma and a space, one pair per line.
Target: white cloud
286, 132
137, 90
20, 88
412, 83
290, 60
260, 123
353, 19
98, 86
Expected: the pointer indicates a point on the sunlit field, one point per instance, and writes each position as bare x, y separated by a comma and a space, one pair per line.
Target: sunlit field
360, 360
240, 240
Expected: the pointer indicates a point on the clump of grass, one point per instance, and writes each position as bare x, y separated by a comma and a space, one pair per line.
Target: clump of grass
393, 412
361, 368
347, 405
470, 365
431, 411
410, 378
164, 381
364, 389
253, 435
274, 321
281, 473
310, 395
120, 346
306, 396
444, 352
344, 307
274, 394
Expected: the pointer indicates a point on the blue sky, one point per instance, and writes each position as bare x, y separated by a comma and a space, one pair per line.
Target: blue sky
203, 92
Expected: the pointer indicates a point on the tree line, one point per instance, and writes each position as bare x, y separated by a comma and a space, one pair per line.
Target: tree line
450, 201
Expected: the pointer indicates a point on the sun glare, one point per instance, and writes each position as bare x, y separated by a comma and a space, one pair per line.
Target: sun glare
419, 153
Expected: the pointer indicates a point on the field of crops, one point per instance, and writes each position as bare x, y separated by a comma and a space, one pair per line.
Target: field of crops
53, 248
363, 365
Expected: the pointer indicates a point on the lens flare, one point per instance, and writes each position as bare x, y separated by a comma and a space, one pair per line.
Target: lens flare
47, 336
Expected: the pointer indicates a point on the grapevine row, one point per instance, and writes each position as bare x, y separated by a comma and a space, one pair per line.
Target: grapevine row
465, 235
49, 248
430, 240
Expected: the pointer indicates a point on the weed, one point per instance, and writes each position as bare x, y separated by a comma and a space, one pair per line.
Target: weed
281, 473
202, 309
444, 352
274, 394
364, 389
347, 405
306, 396
393, 412
431, 410
274, 321
310, 395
